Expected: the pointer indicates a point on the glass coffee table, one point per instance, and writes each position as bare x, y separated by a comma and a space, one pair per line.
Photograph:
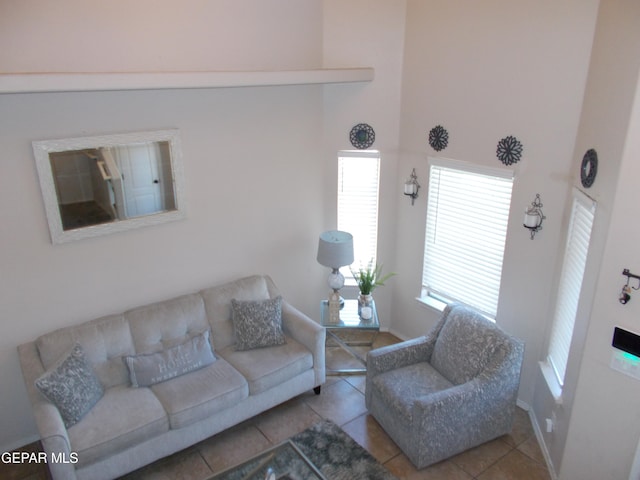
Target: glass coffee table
282, 462
350, 320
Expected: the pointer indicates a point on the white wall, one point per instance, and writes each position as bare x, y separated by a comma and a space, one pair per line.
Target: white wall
604, 424
251, 158
484, 71
159, 35
604, 124
260, 163
371, 33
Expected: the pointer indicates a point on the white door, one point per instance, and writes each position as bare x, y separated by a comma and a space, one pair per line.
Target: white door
141, 175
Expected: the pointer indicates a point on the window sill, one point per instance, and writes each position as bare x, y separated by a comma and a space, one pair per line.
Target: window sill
552, 382
432, 303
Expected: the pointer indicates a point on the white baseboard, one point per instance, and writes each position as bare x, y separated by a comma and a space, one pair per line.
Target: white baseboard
536, 429
401, 337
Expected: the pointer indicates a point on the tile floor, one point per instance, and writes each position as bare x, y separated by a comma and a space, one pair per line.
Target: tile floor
514, 456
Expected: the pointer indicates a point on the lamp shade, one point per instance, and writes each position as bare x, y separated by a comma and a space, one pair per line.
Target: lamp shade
335, 249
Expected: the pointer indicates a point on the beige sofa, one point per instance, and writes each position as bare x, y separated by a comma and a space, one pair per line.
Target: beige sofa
130, 427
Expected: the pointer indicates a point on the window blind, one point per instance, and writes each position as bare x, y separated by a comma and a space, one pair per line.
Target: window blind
358, 184
570, 284
467, 216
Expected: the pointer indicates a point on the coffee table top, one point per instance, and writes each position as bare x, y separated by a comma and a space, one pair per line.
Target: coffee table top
282, 462
349, 316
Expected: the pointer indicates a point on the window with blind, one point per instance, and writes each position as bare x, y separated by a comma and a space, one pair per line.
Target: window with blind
467, 216
358, 183
570, 284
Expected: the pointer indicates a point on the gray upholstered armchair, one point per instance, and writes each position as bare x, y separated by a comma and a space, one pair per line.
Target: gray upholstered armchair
448, 391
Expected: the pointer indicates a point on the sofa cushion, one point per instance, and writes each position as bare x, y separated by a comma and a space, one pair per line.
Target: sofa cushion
465, 344
413, 381
71, 385
124, 417
217, 301
200, 394
265, 368
257, 323
150, 368
105, 340
163, 325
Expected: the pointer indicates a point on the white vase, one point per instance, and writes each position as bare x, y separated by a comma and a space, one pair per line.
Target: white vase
365, 300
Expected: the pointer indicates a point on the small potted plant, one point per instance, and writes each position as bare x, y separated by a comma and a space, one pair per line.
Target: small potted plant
368, 279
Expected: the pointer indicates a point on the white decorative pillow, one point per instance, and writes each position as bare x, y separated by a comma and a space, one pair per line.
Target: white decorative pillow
71, 385
257, 323
149, 368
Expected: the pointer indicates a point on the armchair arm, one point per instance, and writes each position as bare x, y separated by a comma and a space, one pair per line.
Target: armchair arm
53, 434
310, 334
398, 355
405, 353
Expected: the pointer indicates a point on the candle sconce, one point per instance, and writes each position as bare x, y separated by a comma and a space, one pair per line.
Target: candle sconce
625, 294
533, 216
411, 186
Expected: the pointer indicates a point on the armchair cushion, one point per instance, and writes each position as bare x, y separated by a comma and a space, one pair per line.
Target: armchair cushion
460, 352
401, 388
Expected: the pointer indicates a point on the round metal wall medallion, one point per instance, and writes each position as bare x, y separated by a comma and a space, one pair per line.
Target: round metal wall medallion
589, 168
509, 150
362, 136
438, 138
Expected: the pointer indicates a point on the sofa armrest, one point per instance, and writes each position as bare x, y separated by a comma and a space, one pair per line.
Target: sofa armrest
310, 334
53, 433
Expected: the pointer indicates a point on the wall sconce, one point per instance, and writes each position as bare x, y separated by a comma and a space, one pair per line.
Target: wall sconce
411, 186
533, 216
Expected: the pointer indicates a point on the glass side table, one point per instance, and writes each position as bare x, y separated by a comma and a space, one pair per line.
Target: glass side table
350, 319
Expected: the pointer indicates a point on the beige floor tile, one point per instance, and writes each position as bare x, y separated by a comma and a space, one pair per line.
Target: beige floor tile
331, 379
358, 381
186, 465
233, 446
286, 420
522, 429
476, 460
337, 358
401, 467
385, 338
516, 466
339, 402
531, 448
368, 433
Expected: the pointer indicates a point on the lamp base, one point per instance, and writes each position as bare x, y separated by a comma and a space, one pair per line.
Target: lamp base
336, 302
340, 298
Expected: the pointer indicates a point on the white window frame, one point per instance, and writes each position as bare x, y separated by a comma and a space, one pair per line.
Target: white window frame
464, 244
358, 201
569, 287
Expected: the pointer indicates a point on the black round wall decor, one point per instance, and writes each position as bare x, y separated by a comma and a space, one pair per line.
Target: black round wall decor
438, 138
509, 150
589, 168
362, 136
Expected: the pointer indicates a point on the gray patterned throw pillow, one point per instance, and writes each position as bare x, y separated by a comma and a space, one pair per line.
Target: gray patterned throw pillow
257, 323
71, 385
